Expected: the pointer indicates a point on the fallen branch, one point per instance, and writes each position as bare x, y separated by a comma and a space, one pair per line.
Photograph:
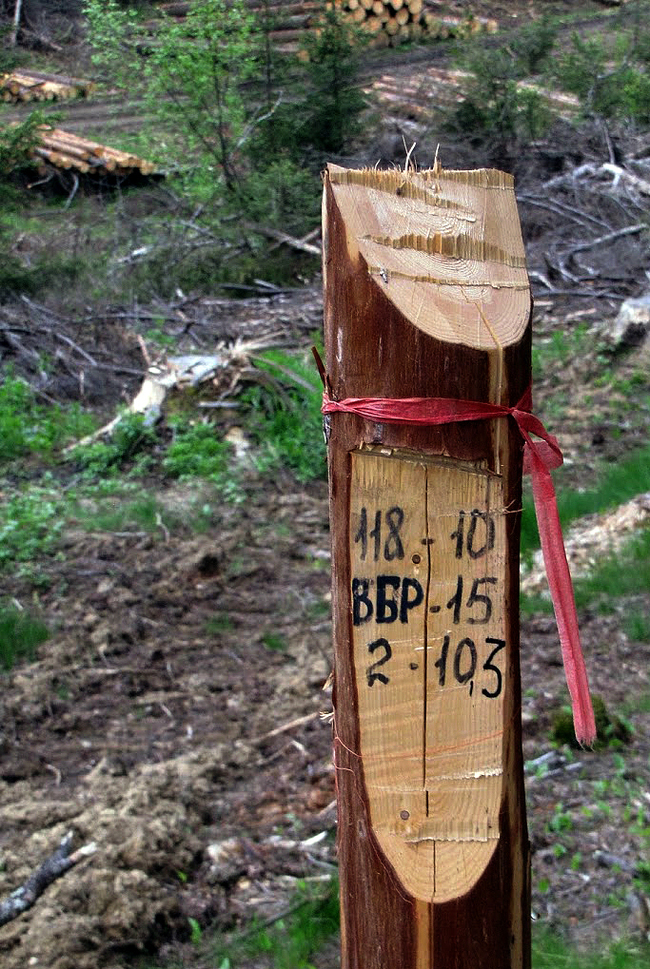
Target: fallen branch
628, 230
282, 237
640, 184
52, 868
298, 722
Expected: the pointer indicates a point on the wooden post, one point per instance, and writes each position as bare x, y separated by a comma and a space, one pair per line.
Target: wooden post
427, 295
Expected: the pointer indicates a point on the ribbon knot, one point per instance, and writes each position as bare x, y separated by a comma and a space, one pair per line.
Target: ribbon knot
540, 458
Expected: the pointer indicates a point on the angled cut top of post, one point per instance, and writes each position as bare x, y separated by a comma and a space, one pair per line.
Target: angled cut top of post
445, 246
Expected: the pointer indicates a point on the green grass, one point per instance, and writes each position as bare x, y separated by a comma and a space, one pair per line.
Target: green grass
624, 574
219, 623
105, 481
627, 573
275, 642
289, 942
637, 626
311, 919
550, 951
20, 636
618, 483
283, 416
114, 514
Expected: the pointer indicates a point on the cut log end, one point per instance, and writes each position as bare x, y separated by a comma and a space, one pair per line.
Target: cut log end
447, 242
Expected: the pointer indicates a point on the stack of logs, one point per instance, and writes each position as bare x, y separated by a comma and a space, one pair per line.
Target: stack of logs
67, 151
389, 22
412, 98
35, 86
392, 22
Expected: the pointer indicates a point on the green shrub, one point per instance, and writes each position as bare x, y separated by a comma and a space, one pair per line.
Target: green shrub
284, 419
130, 441
48, 272
330, 115
495, 110
20, 636
533, 46
30, 525
284, 196
196, 451
17, 142
28, 427
608, 77
611, 730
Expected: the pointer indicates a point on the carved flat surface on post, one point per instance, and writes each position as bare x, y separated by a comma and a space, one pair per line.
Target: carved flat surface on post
427, 550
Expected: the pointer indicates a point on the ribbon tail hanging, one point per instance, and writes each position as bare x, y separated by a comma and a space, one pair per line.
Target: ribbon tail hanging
561, 588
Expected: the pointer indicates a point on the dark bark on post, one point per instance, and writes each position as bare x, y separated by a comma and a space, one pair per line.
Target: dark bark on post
426, 295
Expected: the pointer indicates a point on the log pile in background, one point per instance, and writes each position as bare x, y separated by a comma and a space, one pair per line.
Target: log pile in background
393, 22
66, 151
36, 86
389, 22
412, 99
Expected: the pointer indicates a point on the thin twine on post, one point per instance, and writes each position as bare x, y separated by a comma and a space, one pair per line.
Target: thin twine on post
540, 458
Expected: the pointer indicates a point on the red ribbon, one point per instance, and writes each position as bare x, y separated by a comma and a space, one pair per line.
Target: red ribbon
540, 458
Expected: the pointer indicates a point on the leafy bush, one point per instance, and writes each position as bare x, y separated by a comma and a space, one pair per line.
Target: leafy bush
609, 77
196, 451
111, 28
28, 427
131, 440
31, 523
495, 110
194, 77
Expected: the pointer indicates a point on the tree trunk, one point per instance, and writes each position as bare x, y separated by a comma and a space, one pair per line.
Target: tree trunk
426, 295
13, 37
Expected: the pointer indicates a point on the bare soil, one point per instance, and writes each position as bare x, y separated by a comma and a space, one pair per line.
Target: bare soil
174, 718
177, 716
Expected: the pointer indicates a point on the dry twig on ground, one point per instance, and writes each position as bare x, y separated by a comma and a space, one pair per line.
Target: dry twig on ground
52, 868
